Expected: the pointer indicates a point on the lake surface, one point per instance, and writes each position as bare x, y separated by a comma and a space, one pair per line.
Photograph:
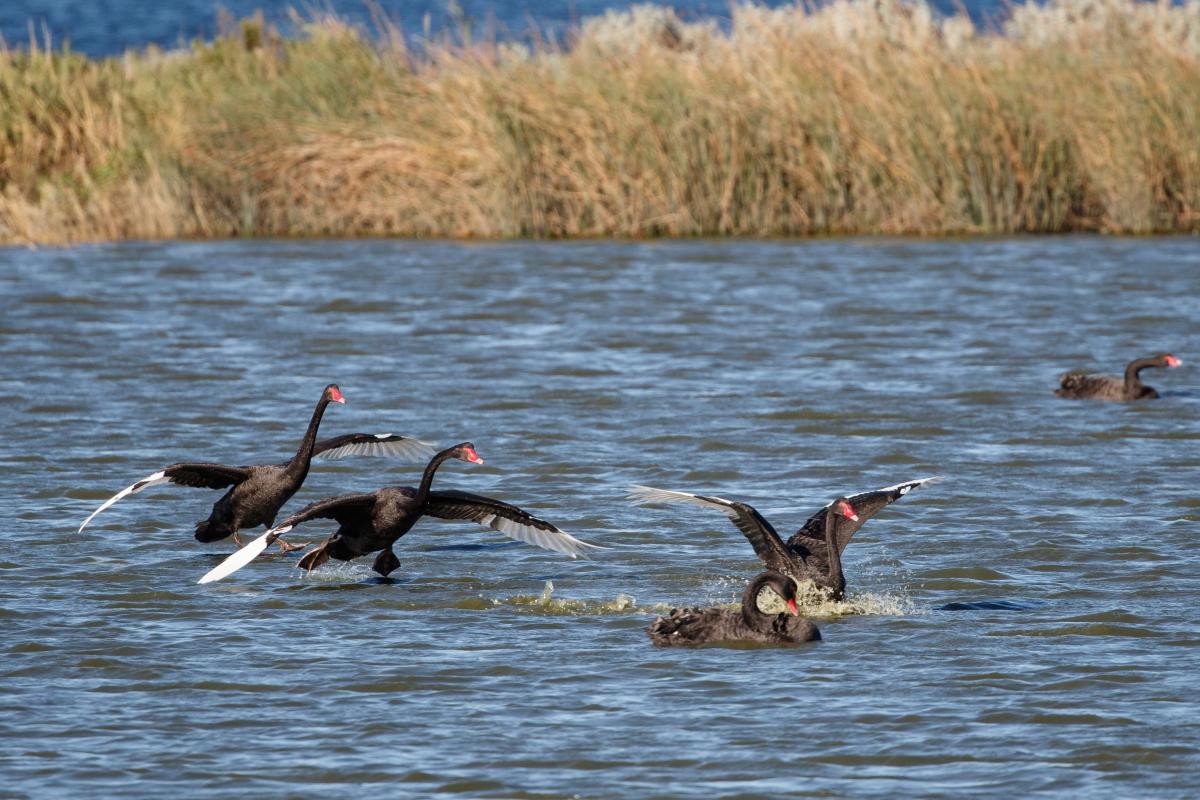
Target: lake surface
111, 27
1026, 627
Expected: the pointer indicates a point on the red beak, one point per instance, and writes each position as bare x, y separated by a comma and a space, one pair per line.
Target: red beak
336, 396
472, 456
1172, 361
792, 607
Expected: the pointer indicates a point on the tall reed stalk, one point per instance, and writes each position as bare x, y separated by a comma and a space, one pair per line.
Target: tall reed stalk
864, 116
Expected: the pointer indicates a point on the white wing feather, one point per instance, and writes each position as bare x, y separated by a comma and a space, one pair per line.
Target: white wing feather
144, 483
243, 556
904, 488
406, 448
556, 540
642, 495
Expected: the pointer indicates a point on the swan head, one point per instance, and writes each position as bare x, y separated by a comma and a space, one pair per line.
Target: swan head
778, 584
466, 452
842, 506
334, 394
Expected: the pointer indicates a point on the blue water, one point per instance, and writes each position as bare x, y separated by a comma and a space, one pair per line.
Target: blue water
111, 27
1026, 628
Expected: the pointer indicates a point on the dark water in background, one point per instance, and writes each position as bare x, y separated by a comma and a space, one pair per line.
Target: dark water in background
1028, 626
111, 27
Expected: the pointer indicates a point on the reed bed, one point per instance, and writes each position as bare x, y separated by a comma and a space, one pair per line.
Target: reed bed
859, 117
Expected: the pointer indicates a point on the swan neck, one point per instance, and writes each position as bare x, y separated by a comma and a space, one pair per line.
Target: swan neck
836, 580
751, 615
430, 469
1133, 380
303, 457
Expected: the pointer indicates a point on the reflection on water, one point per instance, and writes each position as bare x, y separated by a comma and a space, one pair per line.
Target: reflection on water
1044, 593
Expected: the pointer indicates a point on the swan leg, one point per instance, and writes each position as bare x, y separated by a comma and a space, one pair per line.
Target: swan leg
237, 540
386, 562
286, 547
315, 558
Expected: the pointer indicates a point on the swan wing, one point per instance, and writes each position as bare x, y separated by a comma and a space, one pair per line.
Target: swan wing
241, 558
866, 505
761, 535
204, 476
508, 519
404, 448
343, 508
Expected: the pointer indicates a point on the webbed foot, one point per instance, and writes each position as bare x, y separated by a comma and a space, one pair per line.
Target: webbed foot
287, 547
314, 558
385, 562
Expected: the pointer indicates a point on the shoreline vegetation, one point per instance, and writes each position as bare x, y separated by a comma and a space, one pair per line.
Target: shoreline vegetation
856, 117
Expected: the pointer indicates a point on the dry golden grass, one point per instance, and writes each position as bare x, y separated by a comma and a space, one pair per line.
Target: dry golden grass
860, 117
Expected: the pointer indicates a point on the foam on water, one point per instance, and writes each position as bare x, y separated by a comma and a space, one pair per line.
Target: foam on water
813, 601
335, 572
547, 603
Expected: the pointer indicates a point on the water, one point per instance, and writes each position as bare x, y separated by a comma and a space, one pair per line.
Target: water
1027, 626
112, 27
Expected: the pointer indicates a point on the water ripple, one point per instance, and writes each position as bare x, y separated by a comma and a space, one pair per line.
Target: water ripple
1044, 593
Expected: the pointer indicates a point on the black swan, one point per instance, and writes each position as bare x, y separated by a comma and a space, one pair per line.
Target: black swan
374, 521
814, 552
1107, 387
258, 492
690, 626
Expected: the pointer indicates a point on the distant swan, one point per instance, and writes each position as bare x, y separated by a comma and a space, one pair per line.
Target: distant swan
1107, 387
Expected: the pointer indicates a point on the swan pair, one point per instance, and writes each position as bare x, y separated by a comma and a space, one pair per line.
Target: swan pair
813, 553
368, 522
